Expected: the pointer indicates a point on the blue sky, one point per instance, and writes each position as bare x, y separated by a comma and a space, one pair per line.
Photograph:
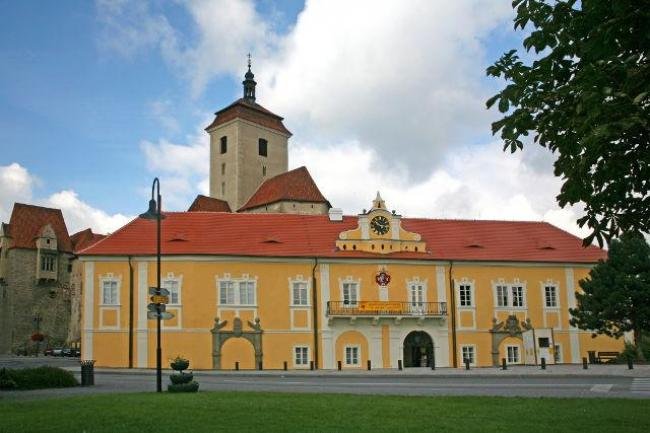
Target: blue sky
97, 98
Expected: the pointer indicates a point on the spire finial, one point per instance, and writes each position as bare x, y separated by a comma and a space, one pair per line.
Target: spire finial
249, 83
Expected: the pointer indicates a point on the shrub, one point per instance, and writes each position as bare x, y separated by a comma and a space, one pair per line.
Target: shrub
6, 382
192, 386
179, 363
181, 378
40, 377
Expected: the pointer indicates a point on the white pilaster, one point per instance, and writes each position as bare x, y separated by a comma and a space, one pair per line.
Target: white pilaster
440, 284
375, 347
142, 332
88, 309
574, 338
326, 334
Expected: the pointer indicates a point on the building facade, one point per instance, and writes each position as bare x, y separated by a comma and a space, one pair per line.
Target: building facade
263, 289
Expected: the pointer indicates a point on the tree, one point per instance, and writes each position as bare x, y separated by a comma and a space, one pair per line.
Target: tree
615, 297
586, 97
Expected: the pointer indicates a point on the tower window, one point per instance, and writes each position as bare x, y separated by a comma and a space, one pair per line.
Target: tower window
223, 168
263, 170
223, 188
224, 144
263, 147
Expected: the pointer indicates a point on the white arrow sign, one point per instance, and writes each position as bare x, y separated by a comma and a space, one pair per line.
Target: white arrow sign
152, 315
154, 291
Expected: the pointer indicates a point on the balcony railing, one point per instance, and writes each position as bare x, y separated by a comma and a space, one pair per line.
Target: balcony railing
386, 308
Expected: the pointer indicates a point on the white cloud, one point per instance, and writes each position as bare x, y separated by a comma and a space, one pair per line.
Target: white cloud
380, 95
182, 168
17, 185
79, 215
475, 183
160, 112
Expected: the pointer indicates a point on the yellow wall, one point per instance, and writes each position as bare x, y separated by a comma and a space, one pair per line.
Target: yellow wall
286, 326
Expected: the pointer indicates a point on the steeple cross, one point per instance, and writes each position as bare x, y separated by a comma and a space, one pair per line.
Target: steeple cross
249, 60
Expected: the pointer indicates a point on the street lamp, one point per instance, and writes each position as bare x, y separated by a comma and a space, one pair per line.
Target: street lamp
154, 212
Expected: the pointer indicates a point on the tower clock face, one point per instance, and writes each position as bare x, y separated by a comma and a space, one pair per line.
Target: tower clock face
380, 225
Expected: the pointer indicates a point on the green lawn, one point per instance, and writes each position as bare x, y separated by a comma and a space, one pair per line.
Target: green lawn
267, 413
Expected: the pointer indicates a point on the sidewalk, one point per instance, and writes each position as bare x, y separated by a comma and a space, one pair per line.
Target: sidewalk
603, 370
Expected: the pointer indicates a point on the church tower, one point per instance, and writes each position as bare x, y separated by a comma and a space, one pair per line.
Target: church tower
248, 145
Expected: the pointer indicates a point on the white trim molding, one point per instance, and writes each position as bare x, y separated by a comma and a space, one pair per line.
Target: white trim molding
88, 309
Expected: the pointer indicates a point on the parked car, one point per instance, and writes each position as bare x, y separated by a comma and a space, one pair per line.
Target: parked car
53, 351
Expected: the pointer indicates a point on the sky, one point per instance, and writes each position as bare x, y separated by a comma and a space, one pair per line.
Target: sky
98, 98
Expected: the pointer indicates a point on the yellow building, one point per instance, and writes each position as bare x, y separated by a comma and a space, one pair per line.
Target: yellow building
288, 279
275, 288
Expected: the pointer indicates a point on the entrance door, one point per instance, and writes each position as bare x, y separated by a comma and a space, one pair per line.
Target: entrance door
418, 350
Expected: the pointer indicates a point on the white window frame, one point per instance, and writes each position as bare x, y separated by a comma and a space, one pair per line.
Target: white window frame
353, 303
470, 285
117, 282
417, 294
169, 280
509, 360
520, 297
236, 287
293, 282
502, 295
556, 296
472, 347
297, 364
352, 347
509, 289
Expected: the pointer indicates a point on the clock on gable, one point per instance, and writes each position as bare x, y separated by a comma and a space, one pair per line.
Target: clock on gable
380, 231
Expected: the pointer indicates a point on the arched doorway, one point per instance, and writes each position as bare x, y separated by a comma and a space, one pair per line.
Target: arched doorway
418, 349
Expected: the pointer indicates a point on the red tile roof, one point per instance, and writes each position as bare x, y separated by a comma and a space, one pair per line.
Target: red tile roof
208, 204
291, 235
294, 185
250, 111
27, 221
85, 238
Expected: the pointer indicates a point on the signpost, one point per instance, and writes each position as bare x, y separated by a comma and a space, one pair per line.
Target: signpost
165, 315
160, 299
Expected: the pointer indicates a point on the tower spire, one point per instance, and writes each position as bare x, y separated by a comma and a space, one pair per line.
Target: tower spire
249, 83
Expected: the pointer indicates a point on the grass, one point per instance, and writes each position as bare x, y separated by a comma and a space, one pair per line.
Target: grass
279, 412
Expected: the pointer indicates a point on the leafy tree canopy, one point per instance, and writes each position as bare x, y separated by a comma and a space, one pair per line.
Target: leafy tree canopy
616, 295
586, 97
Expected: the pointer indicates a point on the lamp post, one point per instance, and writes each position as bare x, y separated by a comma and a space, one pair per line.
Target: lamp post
154, 212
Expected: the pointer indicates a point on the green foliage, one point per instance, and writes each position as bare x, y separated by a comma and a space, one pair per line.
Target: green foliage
586, 97
40, 377
616, 295
192, 386
179, 363
6, 382
181, 378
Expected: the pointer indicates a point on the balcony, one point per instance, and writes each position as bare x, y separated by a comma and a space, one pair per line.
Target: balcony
388, 309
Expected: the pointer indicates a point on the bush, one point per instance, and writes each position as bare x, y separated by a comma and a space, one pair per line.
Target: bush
179, 363
193, 386
40, 377
6, 382
181, 378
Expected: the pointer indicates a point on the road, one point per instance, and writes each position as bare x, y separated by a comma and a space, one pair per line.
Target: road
386, 384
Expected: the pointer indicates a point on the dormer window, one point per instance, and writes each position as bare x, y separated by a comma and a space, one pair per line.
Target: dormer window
47, 262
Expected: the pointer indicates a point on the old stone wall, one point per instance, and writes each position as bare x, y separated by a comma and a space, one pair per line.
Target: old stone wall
24, 298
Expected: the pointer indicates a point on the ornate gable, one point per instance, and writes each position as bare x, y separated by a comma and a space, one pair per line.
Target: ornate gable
380, 231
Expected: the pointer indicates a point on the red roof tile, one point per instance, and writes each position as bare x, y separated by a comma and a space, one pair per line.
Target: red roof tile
85, 238
291, 235
208, 204
294, 185
27, 221
250, 111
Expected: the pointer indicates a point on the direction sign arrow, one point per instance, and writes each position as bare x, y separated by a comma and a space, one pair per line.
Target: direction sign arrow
154, 307
154, 291
160, 299
152, 315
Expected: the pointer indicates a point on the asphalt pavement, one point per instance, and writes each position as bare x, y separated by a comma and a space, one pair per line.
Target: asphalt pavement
600, 381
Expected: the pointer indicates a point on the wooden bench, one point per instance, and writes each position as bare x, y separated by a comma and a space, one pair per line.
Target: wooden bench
607, 357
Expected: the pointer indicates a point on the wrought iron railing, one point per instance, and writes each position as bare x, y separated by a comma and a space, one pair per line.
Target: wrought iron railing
386, 308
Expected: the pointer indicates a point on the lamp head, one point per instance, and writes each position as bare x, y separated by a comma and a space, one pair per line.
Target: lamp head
152, 212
